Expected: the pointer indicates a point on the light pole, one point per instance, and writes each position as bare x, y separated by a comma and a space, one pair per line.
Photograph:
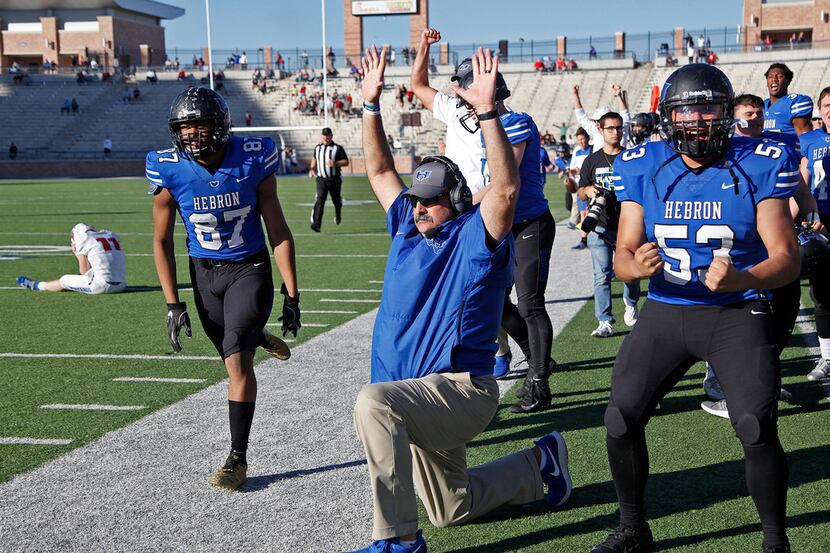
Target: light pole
521, 49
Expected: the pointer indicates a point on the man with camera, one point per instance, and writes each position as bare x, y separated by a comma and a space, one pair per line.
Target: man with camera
596, 184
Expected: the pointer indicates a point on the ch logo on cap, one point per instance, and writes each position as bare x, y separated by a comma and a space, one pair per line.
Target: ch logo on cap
422, 175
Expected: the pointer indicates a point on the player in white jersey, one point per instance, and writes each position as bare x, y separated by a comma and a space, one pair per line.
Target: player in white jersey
102, 266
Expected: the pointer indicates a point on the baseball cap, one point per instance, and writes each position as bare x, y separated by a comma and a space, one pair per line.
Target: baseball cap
326, 131
431, 178
599, 112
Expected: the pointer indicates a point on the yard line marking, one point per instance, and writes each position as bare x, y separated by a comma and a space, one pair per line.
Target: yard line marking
92, 407
333, 300
33, 441
375, 282
309, 325
157, 379
111, 356
329, 312
345, 290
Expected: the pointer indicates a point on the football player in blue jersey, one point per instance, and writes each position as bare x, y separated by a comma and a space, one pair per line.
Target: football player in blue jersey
815, 167
785, 113
704, 217
534, 229
223, 187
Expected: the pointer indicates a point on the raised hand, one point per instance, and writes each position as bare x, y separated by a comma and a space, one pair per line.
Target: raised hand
430, 36
616, 89
576, 90
373, 65
482, 93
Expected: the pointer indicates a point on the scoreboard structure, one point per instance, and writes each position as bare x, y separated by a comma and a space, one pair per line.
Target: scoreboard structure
355, 10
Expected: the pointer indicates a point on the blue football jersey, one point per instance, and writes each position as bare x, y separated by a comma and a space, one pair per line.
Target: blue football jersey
220, 210
694, 217
532, 202
815, 148
544, 161
778, 116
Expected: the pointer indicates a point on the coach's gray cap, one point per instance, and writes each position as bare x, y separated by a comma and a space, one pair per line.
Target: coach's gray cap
432, 177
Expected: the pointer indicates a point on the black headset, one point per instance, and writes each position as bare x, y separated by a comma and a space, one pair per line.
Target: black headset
461, 197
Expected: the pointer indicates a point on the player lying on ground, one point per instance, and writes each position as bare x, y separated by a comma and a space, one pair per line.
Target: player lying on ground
101, 265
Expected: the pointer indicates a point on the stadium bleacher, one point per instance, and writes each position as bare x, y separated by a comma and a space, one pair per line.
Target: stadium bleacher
35, 124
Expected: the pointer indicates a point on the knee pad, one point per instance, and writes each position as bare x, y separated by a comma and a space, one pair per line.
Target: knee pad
615, 422
749, 429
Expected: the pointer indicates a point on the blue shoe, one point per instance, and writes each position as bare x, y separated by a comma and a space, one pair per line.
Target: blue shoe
393, 546
27, 282
580, 245
502, 366
554, 468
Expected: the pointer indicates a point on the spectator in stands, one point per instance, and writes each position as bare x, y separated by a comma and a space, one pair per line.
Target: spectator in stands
570, 65
116, 65
136, 94
405, 53
93, 64
691, 52
549, 65
12, 151
107, 146
76, 109
280, 61
592, 53
125, 95
106, 77
712, 58
79, 77
538, 66
304, 58
181, 75
168, 64
391, 56
66, 107
243, 61
560, 63
152, 78
249, 119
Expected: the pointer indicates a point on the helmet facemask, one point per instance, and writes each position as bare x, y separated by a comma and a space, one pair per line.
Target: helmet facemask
697, 128
203, 139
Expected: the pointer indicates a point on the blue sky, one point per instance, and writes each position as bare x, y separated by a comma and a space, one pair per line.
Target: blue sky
292, 23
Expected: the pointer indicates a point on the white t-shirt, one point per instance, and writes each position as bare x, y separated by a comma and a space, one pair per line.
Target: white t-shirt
103, 250
577, 159
463, 147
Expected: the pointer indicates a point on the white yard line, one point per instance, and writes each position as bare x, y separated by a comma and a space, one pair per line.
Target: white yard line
92, 407
158, 379
333, 300
309, 325
110, 356
33, 441
328, 312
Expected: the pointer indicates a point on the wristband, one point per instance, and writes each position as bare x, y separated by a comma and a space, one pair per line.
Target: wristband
372, 108
487, 115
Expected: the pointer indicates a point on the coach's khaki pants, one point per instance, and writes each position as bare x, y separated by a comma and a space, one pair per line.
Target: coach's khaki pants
415, 433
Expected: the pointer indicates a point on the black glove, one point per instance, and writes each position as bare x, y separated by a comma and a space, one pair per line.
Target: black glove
290, 313
176, 319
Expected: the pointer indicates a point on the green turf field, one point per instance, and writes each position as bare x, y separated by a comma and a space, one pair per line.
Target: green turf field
697, 498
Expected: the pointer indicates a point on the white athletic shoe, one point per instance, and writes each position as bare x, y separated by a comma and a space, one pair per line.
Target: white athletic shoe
821, 371
604, 330
717, 408
631, 315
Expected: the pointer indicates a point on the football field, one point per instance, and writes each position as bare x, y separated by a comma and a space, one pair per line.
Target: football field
76, 368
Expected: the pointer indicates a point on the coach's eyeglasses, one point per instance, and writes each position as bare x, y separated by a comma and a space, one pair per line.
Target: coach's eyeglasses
426, 202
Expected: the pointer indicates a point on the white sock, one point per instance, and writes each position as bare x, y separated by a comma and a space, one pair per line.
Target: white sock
40, 286
824, 346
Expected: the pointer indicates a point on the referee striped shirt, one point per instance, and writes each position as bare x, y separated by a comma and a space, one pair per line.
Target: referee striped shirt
323, 153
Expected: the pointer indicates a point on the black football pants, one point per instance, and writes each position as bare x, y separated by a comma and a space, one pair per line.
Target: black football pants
326, 186
737, 341
528, 323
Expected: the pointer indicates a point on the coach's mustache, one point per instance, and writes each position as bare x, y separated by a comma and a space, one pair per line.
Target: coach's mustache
423, 218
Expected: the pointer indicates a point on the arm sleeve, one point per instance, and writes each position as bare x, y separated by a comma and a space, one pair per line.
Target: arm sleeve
153, 175
802, 106
399, 209
517, 128
443, 107
270, 157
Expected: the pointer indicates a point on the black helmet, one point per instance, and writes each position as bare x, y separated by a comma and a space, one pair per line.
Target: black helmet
813, 248
463, 77
647, 123
697, 84
200, 104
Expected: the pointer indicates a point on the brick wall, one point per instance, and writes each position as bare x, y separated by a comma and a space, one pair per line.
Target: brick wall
418, 22
774, 17
28, 44
129, 34
352, 33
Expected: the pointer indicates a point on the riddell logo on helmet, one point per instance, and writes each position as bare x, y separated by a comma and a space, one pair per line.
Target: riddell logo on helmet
697, 94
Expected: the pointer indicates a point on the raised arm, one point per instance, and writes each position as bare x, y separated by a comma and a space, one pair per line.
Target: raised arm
419, 82
499, 204
380, 167
279, 235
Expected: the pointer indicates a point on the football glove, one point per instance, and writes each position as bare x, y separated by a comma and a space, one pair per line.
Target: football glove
290, 313
176, 319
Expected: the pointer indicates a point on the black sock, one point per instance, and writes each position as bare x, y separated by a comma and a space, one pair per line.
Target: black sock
241, 415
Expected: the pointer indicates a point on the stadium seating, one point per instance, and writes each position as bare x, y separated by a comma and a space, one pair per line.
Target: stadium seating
33, 120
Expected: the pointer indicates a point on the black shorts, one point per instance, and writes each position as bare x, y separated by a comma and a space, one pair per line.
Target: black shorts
737, 341
234, 300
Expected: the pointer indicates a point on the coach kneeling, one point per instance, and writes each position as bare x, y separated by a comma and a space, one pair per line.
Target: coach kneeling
434, 340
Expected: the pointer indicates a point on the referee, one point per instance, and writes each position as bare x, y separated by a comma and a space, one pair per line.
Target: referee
325, 165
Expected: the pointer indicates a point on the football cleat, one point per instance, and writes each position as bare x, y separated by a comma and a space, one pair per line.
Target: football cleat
717, 408
627, 539
394, 545
502, 366
603, 330
275, 346
232, 474
821, 371
536, 398
27, 282
631, 315
711, 386
554, 468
